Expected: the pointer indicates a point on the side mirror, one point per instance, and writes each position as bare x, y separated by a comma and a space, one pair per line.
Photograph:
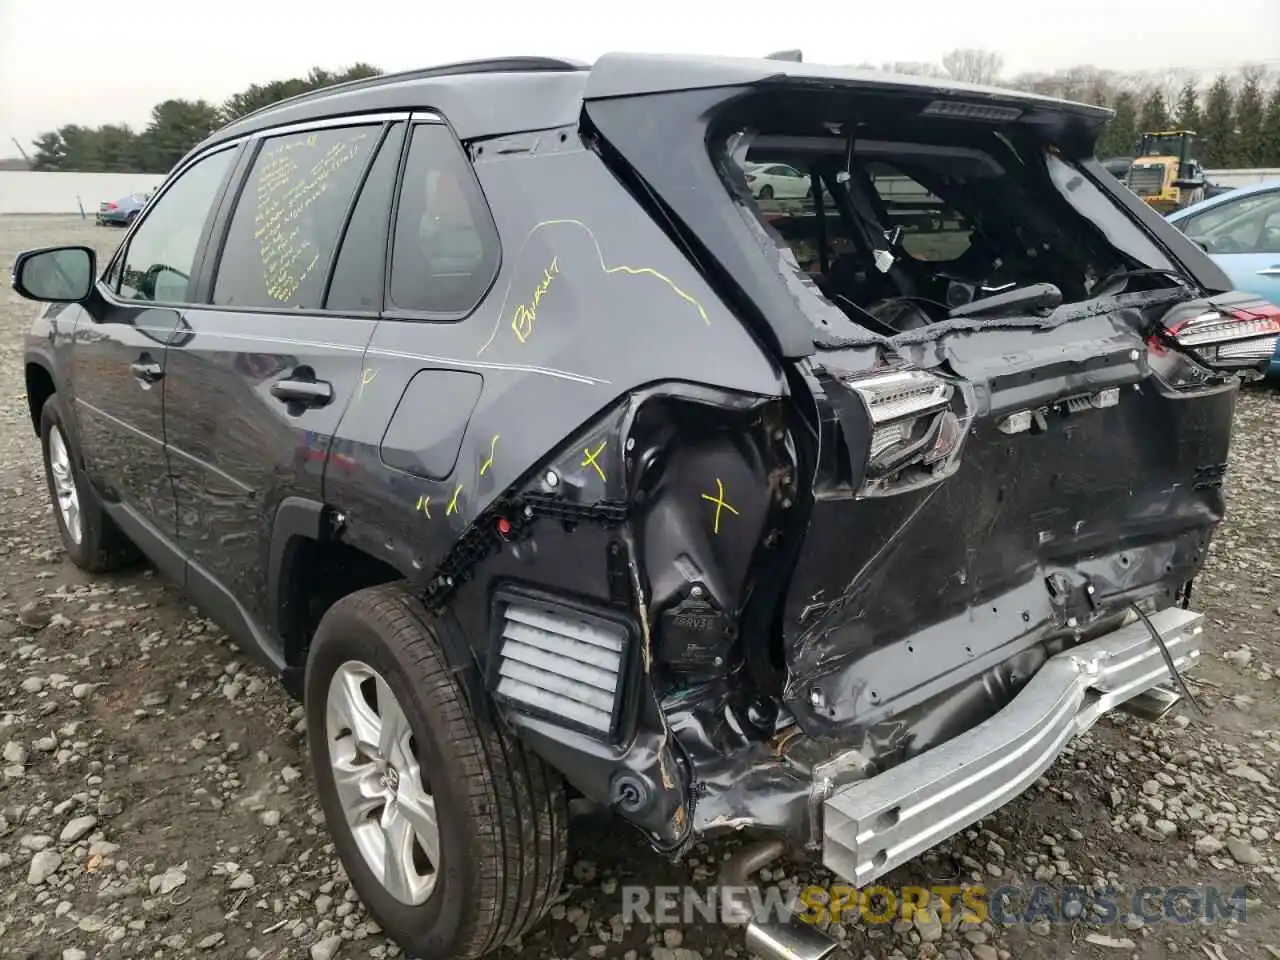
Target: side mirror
55, 274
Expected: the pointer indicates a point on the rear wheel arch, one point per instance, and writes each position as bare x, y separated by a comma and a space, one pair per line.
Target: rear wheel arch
311, 567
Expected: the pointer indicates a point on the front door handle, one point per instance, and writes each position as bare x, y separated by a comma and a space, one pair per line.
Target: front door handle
147, 370
303, 391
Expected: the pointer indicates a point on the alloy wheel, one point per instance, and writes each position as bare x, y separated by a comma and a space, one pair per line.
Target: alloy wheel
389, 810
64, 484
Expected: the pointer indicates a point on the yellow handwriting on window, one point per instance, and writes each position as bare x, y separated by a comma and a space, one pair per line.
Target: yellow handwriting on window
526, 313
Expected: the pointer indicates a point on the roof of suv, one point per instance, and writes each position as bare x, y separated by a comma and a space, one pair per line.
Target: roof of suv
484, 98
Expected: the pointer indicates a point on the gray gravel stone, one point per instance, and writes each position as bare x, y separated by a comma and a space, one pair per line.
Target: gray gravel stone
77, 828
43, 865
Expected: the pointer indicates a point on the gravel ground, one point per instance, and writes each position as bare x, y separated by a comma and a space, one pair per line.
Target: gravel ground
155, 799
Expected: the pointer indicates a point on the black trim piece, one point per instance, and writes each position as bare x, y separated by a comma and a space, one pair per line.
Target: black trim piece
296, 518
159, 549
220, 605
482, 539
351, 209
206, 593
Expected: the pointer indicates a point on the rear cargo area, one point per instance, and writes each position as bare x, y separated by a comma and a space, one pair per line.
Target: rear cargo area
1002, 463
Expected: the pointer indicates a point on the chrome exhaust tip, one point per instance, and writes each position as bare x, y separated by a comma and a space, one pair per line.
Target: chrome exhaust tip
787, 938
790, 940
1151, 704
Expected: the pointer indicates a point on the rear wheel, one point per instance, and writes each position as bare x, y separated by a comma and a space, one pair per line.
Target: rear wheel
766, 192
452, 833
89, 537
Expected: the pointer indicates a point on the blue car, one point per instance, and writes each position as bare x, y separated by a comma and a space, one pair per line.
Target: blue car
122, 212
1241, 232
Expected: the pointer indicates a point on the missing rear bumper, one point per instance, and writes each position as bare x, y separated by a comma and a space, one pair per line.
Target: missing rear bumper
872, 826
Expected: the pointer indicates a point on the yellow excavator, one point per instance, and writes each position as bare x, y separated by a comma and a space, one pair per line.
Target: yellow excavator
1164, 173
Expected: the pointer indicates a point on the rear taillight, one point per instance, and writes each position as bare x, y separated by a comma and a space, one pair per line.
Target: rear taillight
916, 435
1233, 338
108, 205
751, 178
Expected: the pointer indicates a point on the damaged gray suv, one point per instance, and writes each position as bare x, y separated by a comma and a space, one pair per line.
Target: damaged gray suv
543, 454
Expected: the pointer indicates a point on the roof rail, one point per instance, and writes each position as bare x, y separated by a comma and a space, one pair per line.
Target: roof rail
494, 65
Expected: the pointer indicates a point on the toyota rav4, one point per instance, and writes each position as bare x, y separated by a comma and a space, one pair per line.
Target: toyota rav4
492, 408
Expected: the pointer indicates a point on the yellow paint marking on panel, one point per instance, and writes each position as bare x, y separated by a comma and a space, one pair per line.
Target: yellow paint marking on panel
453, 503
523, 331
424, 505
590, 459
493, 446
720, 502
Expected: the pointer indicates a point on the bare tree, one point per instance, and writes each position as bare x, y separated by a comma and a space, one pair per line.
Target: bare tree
914, 67
973, 66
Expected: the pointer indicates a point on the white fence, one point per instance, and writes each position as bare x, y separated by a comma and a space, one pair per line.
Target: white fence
25, 191
28, 192
1240, 178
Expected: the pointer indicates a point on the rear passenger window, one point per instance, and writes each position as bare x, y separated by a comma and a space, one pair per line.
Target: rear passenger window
358, 274
445, 250
162, 251
290, 213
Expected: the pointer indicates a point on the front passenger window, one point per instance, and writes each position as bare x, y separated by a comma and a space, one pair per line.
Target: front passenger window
161, 257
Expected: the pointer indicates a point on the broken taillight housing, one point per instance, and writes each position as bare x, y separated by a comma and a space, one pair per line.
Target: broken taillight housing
916, 435
1238, 337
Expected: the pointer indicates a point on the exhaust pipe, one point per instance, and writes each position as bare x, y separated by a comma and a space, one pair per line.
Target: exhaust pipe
1151, 704
786, 939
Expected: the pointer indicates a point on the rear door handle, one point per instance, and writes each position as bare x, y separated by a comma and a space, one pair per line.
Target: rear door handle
307, 392
1270, 271
147, 370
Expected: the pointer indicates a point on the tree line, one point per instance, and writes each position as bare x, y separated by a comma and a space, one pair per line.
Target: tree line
174, 128
1237, 113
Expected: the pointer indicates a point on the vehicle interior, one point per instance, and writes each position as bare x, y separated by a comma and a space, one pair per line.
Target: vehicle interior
922, 220
1250, 225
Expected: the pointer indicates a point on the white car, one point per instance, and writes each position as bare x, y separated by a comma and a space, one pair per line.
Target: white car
777, 181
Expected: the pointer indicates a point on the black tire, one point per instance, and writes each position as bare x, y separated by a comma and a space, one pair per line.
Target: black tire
502, 813
766, 192
102, 546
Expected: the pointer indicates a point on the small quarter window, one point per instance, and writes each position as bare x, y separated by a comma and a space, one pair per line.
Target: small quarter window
446, 247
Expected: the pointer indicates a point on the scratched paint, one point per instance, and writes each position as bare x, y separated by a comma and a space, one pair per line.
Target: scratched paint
424, 506
522, 320
367, 376
453, 502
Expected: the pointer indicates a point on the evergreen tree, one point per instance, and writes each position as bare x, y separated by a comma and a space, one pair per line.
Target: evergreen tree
1188, 107
1120, 138
1250, 142
1218, 125
1155, 112
1271, 130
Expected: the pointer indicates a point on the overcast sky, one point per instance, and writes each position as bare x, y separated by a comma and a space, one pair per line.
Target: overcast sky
108, 61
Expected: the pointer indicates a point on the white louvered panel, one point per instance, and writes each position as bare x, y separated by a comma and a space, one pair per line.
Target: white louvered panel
561, 665
554, 683
574, 629
606, 680
561, 646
